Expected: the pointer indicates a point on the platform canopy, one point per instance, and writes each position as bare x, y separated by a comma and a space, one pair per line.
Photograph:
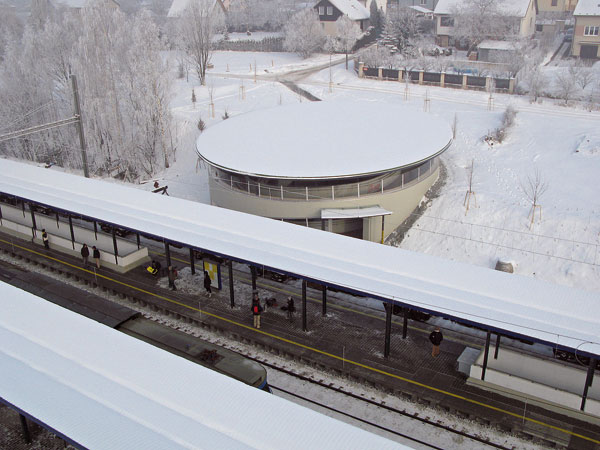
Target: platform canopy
320, 140
516, 305
100, 389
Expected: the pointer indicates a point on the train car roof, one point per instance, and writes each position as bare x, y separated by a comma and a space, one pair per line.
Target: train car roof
515, 305
102, 389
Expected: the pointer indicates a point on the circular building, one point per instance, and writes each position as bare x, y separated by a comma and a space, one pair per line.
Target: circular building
357, 169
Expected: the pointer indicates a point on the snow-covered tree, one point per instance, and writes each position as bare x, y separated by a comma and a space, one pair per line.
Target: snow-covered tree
566, 86
402, 26
11, 28
347, 33
198, 23
303, 33
476, 20
123, 88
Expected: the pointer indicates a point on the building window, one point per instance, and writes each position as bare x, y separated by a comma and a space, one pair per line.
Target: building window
330, 10
591, 31
321, 10
423, 2
447, 21
554, 2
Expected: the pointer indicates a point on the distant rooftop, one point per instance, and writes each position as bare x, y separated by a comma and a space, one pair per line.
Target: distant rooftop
516, 8
351, 8
587, 8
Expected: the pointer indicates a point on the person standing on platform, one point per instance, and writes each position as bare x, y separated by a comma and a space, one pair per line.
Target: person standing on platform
436, 339
96, 256
256, 309
172, 275
85, 252
207, 283
45, 239
290, 309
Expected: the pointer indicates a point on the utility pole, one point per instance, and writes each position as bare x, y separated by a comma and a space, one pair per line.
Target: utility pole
79, 126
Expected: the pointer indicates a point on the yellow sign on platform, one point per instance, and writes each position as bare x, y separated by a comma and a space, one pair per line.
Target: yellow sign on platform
214, 272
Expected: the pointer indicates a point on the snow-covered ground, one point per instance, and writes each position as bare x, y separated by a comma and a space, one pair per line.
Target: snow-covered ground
561, 143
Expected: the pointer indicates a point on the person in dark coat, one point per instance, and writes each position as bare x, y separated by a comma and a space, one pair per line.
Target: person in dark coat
85, 253
256, 309
207, 283
290, 309
172, 275
45, 239
436, 339
96, 256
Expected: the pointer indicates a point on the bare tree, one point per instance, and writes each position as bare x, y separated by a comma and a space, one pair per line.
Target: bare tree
470, 192
197, 26
583, 75
537, 81
566, 85
534, 188
303, 33
347, 33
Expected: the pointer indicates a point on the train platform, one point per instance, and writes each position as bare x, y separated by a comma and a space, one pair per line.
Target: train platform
348, 340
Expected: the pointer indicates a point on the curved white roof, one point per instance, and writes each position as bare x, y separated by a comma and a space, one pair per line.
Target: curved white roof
511, 303
103, 389
323, 140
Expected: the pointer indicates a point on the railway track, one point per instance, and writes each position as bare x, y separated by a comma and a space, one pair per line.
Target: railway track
388, 410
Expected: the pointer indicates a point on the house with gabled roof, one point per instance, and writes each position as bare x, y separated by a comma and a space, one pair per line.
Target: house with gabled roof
330, 11
522, 13
586, 36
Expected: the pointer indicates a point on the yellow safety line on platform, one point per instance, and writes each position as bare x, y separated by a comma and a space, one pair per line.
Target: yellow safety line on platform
298, 344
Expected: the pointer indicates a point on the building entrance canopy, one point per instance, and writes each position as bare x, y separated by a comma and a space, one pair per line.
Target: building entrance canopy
354, 213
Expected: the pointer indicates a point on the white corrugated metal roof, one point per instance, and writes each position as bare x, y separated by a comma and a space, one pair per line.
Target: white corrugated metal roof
103, 389
514, 8
515, 304
587, 8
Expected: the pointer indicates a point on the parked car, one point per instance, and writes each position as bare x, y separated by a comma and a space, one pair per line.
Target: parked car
569, 35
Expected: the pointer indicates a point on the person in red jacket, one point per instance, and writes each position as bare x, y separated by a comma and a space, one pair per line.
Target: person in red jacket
256, 309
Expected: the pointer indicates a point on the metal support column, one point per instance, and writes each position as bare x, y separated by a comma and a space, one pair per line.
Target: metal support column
588, 381
388, 329
192, 265
324, 302
382, 227
25, 429
304, 327
167, 254
486, 354
96, 229
231, 293
116, 250
497, 346
405, 323
33, 224
23, 208
57, 225
72, 232
137, 238
253, 273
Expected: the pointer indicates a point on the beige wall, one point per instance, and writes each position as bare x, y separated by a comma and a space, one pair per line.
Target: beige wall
400, 201
561, 5
578, 38
528, 22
